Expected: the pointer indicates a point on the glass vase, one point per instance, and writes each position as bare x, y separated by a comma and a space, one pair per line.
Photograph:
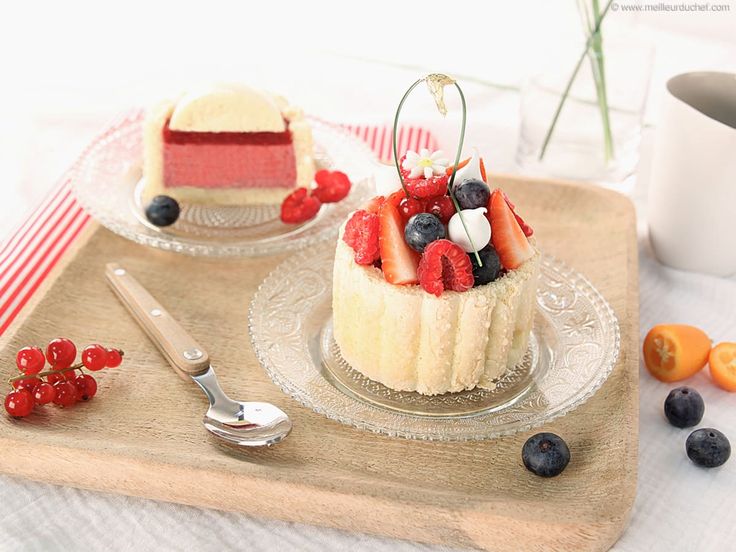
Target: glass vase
577, 148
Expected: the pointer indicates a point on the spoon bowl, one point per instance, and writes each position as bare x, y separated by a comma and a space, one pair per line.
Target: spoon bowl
249, 424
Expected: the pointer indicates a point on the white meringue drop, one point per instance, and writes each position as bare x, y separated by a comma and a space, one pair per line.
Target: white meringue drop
478, 227
471, 170
386, 179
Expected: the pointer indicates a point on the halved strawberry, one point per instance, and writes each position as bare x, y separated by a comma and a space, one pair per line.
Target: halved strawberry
398, 261
528, 231
374, 204
396, 198
508, 238
465, 162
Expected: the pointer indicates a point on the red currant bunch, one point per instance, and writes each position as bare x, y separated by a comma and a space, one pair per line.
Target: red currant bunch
65, 383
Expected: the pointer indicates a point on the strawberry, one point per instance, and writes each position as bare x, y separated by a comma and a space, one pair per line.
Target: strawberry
374, 204
465, 162
422, 188
528, 231
507, 236
396, 198
332, 186
298, 207
361, 233
398, 261
444, 265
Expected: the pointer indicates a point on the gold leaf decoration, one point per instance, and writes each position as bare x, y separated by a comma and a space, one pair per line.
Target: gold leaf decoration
436, 83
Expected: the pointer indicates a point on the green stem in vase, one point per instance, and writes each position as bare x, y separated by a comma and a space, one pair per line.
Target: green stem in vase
575, 72
600, 83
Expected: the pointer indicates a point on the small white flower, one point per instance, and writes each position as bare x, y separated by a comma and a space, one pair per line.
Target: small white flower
425, 163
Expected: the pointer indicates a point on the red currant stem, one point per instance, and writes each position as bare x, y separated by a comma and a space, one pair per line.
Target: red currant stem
46, 373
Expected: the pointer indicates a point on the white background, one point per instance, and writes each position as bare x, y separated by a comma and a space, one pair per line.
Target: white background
68, 66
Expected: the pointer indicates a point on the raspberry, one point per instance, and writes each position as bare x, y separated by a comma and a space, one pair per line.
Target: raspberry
332, 186
361, 233
299, 207
441, 207
422, 188
444, 265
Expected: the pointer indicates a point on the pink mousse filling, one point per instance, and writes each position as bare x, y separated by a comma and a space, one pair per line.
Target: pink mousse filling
228, 159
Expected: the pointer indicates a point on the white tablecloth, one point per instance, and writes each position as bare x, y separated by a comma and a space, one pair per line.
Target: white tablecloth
678, 506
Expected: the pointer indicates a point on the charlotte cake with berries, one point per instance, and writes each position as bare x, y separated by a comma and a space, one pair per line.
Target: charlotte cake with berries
413, 308
228, 145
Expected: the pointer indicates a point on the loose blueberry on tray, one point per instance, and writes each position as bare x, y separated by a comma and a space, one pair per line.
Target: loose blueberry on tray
545, 454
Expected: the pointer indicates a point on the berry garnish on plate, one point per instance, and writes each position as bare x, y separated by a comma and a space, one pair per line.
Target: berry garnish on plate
423, 229
472, 194
708, 447
684, 407
398, 261
361, 233
673, 352
491, 268
64, 383
445, 266
163, 211
722, 360
441, 207
299, 207
507, 236
545, 454
332, 186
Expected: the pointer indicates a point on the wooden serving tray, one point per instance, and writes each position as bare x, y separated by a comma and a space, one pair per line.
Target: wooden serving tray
142, 435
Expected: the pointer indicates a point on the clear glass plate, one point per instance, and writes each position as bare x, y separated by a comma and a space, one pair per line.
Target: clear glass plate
574, 347
107, 181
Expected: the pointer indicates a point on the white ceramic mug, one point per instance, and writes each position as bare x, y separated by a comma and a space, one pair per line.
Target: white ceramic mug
692, 190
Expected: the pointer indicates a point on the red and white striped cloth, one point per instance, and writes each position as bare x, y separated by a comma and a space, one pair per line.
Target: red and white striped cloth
32, 251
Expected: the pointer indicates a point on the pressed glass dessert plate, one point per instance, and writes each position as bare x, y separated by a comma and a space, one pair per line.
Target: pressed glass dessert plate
107, 181
573, 348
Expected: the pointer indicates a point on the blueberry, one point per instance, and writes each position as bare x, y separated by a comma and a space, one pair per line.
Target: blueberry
491, 266
708, 447
545, 454
162, 211
472, 193
684, 407
423, 229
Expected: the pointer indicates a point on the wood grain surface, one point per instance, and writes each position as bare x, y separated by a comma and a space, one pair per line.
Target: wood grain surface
142, 434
